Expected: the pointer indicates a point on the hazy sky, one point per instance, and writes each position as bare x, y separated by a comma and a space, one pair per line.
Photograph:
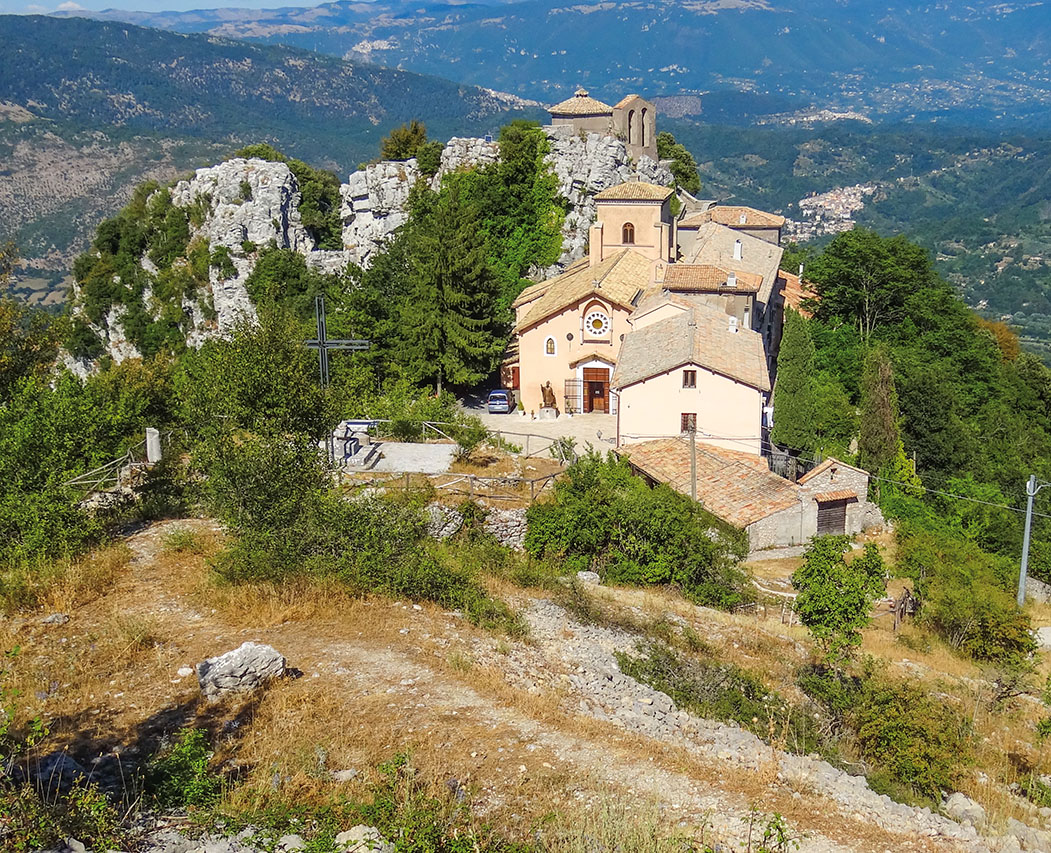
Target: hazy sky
42, 8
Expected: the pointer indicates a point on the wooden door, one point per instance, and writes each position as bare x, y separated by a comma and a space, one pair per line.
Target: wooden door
596, 389
831, 518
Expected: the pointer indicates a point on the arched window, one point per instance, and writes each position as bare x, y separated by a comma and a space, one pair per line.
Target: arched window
549, 346
642, 131
627, 234
631, 127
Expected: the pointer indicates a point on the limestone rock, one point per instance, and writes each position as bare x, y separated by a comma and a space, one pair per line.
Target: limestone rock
375, 203
589, 577
1043, 638
374, 198
289, 843
963, 808
55, 773
362, 839
442, 521
507, 526
239, 671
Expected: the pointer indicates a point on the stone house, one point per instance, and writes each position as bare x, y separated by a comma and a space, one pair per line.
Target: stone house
632, 120
739, 488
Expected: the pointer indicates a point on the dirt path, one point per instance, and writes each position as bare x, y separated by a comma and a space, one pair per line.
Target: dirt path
380, 677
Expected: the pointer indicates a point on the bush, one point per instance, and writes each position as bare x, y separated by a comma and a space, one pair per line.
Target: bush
964, 593
180, 775
34, 822
606, 519
722, 691
914, 744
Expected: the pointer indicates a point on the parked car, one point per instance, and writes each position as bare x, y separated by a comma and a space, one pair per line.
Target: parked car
501, 402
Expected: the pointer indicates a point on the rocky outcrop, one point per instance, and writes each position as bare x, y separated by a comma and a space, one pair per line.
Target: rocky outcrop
374, 198
239, 671
506, 526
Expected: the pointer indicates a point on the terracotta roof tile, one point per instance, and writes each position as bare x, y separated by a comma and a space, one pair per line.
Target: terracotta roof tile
824, 466
627, 99
581, 104
635, 191
734, 216
699, 335
841, 495
707, 278
715, 246
795, 292
620, 278
737, 487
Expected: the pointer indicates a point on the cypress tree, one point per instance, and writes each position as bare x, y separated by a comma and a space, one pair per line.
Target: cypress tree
796, 389
879, 435
450, 331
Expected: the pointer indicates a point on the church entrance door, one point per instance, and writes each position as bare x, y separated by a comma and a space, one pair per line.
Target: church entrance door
596, 389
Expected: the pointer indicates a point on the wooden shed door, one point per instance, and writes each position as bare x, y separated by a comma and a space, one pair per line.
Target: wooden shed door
831, 518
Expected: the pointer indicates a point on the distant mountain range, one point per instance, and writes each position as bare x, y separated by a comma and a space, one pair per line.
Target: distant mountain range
971, 63
90, 109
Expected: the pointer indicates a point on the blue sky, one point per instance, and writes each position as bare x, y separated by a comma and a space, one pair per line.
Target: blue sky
42, 7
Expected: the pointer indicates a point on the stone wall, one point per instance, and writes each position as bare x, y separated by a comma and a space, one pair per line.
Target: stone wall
506, 526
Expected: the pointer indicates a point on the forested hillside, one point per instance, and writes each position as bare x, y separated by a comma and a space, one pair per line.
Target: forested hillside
88, 110
957, 61
979, 202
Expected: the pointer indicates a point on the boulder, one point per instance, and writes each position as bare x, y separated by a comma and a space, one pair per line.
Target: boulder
55, 773
362, 839
239, 671
589, 577
1043, 638
962, 808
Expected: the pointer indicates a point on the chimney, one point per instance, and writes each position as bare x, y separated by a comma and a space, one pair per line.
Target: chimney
595, 245
658, 272
731, 280
800, 272
733, 325
737, 250
742, 219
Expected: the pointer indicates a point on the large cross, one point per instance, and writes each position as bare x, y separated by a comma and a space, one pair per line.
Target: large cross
323, 344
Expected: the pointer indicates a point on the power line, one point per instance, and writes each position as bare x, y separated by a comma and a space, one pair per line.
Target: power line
768, 445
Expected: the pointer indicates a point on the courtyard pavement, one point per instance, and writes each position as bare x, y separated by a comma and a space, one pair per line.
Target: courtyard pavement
583, 428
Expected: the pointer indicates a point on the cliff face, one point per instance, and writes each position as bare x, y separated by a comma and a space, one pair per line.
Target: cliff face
241, 206
374, 198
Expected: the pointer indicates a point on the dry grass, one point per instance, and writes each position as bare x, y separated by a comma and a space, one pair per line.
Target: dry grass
65, 584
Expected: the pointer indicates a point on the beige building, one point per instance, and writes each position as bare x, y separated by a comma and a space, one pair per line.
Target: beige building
632, 120
696, 371
667, 345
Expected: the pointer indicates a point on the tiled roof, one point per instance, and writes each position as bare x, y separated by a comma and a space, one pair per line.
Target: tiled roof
734, 216
635, 191
737, 487
618, 279
700, 335
715, 246
581, 104
608, 354
623, 102
708, 278
841, 495
824, 466
795, 292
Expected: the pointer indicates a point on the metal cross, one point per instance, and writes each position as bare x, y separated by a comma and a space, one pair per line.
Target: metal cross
322, 343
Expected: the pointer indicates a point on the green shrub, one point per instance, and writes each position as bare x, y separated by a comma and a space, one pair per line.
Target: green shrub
33, 822
964, 593
180, 776
722, 691
605, 518
914, 744
182, 540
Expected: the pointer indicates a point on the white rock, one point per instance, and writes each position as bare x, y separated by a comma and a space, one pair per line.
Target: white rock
963, 808
360, 839
589, 577
239, 671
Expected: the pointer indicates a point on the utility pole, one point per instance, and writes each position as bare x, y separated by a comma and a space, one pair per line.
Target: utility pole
1031, 489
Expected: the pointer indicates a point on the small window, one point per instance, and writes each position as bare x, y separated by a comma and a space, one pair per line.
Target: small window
689, 379
549, 346
688, 422
628, 234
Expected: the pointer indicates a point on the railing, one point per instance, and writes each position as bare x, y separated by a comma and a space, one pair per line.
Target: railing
120, 472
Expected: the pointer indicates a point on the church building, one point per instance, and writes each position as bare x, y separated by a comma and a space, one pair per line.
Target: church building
633, 120
631, 330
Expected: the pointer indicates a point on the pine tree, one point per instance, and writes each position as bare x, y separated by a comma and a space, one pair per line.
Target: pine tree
879, 435
450, 333
796, 390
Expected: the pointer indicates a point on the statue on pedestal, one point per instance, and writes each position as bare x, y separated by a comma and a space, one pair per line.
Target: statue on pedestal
548, 393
